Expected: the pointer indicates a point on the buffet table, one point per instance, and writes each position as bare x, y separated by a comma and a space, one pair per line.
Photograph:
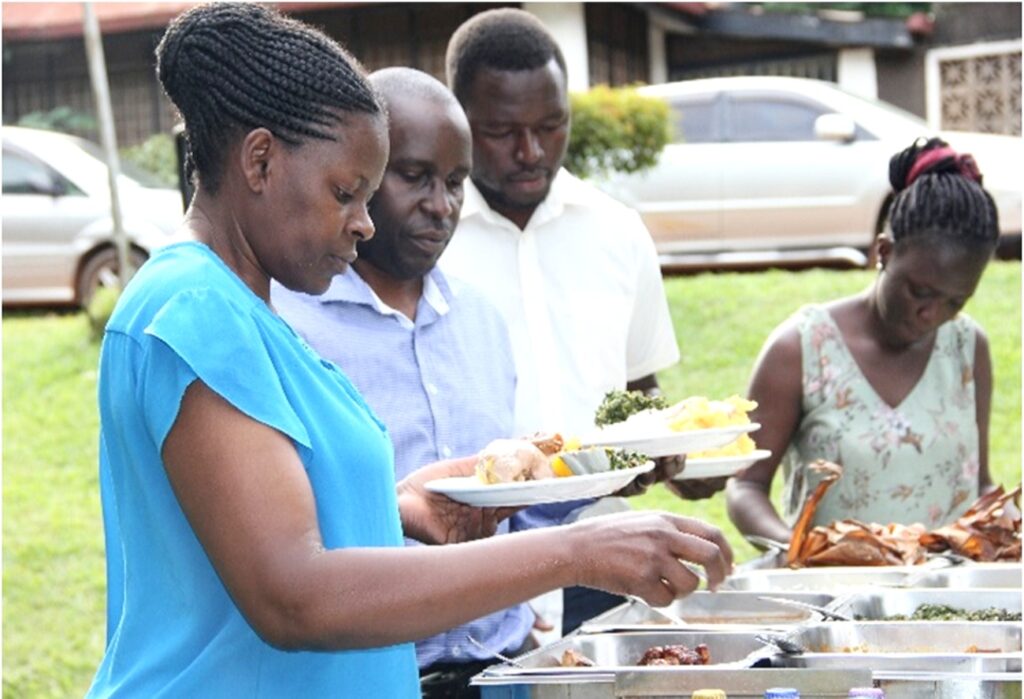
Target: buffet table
756, 641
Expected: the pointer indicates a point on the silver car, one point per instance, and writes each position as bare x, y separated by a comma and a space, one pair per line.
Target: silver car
773, 168
57, 225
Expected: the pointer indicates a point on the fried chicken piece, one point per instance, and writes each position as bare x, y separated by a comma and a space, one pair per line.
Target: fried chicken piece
510, 460
549, 443
571, 658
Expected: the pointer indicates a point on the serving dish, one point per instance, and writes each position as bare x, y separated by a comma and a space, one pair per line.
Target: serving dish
720, 466
661, 441
879, 605
470, 490
703, 608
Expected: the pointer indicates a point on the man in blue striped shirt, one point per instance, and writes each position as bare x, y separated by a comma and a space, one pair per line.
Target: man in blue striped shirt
430, 354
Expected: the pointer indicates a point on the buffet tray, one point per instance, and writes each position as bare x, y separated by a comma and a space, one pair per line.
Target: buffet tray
909, 636
877, 605
616, 651
818, 579
705, 608
934, 573
971, 575
918, 646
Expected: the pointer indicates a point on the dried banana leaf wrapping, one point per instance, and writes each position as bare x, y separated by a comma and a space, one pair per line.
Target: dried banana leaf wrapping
988, 531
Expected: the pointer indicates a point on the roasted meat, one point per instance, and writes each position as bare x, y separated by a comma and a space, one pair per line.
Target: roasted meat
571, 658
509, 460
676, 655
550, 443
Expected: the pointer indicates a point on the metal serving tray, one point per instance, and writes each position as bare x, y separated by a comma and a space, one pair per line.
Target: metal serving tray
818, 579
737, 683
619, 650
971, 575
909, 637
918, 646
877, 605
710, 609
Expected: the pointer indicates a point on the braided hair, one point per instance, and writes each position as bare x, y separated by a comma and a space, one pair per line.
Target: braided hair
505, 39
939, 195
233, 66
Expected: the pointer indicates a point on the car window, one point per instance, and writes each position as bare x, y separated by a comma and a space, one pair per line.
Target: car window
772, 119
694, 121
24, 175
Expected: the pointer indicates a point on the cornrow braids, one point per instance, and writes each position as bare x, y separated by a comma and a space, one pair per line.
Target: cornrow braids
503, 39
939, 195
232, 66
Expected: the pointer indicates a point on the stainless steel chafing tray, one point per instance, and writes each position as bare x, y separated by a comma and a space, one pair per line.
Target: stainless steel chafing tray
614, 651
737, 683
971, 575
878, 605
818, 579
711, 609
910, 637
921, 646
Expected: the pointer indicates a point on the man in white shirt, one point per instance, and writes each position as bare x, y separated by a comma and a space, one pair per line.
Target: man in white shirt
574, 272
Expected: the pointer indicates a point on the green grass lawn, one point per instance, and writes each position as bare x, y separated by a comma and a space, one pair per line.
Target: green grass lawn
53, 579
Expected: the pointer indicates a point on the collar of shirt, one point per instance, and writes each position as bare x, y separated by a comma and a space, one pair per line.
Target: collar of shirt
352, 288
566, 191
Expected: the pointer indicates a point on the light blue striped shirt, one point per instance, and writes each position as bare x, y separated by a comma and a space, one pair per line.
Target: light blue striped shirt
444, 385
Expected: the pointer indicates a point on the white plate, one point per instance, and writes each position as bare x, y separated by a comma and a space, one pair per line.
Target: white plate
718, 466
469, 489
667, 442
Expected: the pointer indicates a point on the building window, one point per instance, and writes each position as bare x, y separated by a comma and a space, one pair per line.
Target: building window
975, 88
616, 44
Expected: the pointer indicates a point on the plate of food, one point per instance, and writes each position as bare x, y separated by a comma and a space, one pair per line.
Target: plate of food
513, 473
720, 466
695, 424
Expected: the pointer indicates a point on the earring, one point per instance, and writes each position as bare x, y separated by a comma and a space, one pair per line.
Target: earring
879, 266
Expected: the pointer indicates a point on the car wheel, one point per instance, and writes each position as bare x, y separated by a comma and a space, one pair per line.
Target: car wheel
101, 270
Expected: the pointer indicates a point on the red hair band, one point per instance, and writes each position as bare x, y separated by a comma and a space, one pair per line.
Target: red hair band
964, 164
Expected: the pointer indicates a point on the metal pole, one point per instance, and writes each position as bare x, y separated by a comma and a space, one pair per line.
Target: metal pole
108, 138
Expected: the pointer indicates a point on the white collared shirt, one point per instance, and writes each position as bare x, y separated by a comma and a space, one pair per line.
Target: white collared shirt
581, 292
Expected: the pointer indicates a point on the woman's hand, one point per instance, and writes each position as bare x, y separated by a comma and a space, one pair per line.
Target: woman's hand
436, 519
655, 555
665, 469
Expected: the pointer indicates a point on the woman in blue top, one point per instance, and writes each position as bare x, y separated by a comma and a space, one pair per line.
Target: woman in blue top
254, 528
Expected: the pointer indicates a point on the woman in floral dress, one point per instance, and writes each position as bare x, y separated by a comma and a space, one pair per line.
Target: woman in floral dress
893, 384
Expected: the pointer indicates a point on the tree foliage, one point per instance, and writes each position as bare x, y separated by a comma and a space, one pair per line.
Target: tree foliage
616, 129
896, 10
62, 118
155, 155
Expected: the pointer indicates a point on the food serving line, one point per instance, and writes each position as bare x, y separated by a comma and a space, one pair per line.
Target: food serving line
760, 631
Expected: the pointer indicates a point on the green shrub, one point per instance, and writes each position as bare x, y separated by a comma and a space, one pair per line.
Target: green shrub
616, 129
156, 155
61, 118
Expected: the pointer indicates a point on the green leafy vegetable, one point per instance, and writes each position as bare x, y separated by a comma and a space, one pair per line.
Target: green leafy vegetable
618, 459
944, 612
619, 405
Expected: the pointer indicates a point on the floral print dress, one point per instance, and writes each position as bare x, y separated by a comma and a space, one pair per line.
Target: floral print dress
915, 462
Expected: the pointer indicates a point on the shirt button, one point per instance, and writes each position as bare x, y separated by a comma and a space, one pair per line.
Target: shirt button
431, 389
446, 451
456, 652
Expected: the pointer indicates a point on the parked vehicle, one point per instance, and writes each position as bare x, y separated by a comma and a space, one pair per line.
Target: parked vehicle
774, 168
57, 224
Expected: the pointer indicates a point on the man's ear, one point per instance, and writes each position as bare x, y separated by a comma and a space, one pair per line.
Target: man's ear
258, 149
